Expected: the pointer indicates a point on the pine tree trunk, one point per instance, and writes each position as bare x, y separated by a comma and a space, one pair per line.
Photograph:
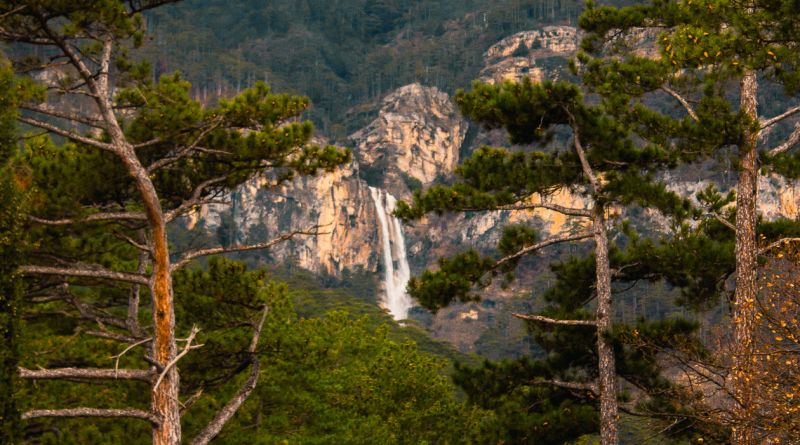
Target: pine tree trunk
607, 378
744, 303
165, 396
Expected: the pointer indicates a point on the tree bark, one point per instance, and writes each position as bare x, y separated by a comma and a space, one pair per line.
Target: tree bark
606, 362
164, 400
607, 373
744, 302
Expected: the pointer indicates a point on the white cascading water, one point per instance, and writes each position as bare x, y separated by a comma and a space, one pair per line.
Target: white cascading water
396, 300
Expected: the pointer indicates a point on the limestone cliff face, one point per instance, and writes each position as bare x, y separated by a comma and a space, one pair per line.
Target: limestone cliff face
415, 139
553, 40
536, 54
338, 203
418, 134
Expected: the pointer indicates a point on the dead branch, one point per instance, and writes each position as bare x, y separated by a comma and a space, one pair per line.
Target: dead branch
569, 211
541, 319
194, 200
189, 256
174, 361
682, 100
778, 243
183, 152
132, 320
774, 120
86, 373
72, 117
590, 387
96, 217
227, 412
793, 139
542, 245
66, 133
93, 412
100, 273
125, 351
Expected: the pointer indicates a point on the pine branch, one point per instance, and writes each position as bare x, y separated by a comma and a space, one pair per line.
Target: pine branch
793, 139
86, 373
682, 100
174, 361
590, 387
189, 256
774, 120
66, 133
96, 217
541, 319
72, 117
93, 412
229, 410
87, 273
541, 245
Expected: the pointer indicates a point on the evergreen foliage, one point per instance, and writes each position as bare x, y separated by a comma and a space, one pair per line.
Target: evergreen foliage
626, 157
12, 246
343, 54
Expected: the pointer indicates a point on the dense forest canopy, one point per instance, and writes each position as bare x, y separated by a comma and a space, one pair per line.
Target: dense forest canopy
122, 119
343, 53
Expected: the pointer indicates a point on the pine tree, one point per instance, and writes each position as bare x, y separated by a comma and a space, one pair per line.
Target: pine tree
12, 204
599, 160
705, 49
137, 155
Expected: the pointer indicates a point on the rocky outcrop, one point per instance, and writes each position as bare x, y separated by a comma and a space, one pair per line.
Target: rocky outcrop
537, 55
550, 40
415, 139
337, 203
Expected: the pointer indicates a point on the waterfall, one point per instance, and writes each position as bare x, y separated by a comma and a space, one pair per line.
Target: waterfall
396, 270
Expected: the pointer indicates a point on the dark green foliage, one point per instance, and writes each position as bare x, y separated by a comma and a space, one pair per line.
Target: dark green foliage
13, 202
326, 377
453, 280
627, 150
525, 412
344, 54
12, 246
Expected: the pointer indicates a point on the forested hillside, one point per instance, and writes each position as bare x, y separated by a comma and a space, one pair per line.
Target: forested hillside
556, 223
343, 54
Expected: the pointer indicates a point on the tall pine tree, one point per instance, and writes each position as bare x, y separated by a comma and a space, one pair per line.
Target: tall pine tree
714, 57
583, 149
137, 154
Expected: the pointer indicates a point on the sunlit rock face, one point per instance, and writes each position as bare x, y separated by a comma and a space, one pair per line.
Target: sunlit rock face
550, 40
337, 205
538, 55
416, 138
414, 141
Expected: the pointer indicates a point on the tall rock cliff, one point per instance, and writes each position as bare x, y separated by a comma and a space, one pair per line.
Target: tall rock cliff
415, 139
